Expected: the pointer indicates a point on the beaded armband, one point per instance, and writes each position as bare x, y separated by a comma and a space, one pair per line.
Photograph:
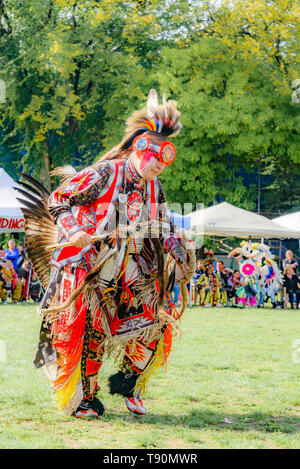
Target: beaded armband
170, 243
68, 224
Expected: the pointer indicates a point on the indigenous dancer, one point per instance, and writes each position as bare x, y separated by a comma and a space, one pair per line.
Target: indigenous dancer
212, 292
9, 281
108, 288
260, 273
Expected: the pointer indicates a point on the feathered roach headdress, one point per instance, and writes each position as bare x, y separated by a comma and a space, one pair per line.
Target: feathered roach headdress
161, 118
208, 261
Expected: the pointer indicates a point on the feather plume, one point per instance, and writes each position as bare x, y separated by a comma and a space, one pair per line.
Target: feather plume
64, 173
35, 209
161, 118
39, 226
152, 103
29, 188
37, 185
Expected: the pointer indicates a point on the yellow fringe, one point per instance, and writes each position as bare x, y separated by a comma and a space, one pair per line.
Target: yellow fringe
64, 395
125, 262
156, 362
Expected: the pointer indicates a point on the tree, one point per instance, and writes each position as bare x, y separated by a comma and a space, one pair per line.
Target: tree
233, 82
73, 70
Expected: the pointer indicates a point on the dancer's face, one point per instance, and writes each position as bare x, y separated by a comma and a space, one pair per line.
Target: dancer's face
148, 167
151, 152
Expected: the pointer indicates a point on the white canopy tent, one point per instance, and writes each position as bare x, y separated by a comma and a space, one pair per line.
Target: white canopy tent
226, 220
11, 217
291, 221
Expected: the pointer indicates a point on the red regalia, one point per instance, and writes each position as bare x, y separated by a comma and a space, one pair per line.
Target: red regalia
114, 294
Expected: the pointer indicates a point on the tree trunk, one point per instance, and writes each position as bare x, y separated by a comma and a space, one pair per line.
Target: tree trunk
45, 170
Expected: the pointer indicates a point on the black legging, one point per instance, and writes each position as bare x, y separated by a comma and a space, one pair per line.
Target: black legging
291, 294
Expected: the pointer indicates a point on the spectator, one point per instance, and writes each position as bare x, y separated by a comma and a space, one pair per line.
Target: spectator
224, 276
212, 292
12, 253
291, 285
30, 282
4, 280
206, 295
6, 262
268, 291
195, 287
23, 274
199, 268
176, 291
9, 280
235, 282
289, 260
35, 288
21, 257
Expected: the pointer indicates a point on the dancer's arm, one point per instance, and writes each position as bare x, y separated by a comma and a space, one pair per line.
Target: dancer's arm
170, 240
81, 190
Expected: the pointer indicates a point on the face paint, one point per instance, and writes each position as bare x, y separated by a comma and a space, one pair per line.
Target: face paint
148, 160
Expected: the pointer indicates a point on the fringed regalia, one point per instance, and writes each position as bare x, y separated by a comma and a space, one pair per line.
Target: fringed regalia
259, 273
113, 295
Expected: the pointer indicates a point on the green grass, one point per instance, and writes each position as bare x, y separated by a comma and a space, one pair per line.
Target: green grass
232, 382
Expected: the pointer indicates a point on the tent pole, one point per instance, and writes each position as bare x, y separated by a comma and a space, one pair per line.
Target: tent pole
280, 253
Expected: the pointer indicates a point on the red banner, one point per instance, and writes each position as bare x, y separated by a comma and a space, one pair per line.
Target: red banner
11, 224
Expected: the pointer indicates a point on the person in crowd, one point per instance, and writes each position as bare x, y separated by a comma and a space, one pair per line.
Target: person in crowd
12, 253
212, 292
222, 273
31, 287
195, 287
268, 290
24, 274
6, 262
235, 282
4, 279
225, 274
206, 295
209, 254
21, 257
291, 285
35, 288
9, 281
289, 260
176, 291
230, 292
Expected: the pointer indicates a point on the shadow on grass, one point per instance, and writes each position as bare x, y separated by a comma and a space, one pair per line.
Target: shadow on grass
255, 421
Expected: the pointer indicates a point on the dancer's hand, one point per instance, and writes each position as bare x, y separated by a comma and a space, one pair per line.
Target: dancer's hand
181, 259
81, 239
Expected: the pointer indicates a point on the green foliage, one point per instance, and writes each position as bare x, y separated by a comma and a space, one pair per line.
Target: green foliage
74, 70
234, 91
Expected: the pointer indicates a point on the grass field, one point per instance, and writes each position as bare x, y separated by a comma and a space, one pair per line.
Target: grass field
232, 382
